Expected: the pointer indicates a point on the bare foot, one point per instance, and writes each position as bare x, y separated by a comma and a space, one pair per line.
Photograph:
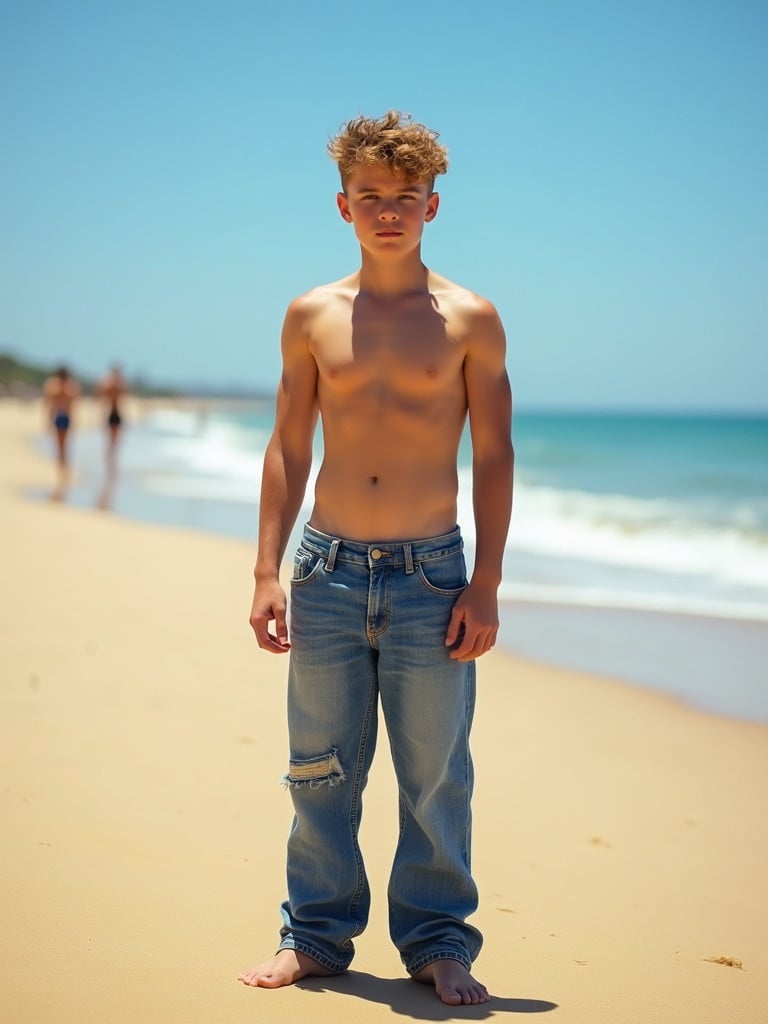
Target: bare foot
453, 983
285, 967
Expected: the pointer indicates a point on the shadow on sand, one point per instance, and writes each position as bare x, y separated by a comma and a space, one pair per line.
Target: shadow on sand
410, 999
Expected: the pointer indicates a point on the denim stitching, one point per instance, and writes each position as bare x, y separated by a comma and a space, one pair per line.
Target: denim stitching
313, 574
420, 962
383, 606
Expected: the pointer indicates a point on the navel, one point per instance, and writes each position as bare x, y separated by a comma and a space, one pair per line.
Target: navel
374, 479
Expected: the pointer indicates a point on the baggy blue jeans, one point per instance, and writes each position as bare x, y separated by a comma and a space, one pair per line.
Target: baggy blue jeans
368, 622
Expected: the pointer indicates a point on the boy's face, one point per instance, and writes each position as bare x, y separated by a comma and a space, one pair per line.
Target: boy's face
388, 213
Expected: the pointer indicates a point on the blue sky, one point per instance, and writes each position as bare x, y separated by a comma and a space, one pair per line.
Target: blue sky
165, 189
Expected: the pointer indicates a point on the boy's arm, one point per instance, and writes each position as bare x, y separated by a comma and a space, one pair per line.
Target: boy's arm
490, 419
287, 462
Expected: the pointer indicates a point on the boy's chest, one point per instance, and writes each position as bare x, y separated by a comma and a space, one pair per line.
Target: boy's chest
417, 344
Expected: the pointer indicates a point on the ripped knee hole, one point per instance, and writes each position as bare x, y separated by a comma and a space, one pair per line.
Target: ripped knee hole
323, 770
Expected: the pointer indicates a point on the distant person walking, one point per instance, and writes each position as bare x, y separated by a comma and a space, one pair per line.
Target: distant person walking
112, 389
61, 392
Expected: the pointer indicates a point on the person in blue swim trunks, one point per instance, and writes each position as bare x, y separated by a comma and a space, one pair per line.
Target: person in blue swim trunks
61, 392
61, 422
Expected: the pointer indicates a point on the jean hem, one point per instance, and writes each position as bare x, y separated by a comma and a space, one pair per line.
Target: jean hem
338, 967
420, 962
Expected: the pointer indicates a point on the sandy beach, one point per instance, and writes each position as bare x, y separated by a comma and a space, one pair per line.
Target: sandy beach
620, 836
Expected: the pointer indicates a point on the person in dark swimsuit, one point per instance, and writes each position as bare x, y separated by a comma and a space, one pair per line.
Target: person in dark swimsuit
112, 389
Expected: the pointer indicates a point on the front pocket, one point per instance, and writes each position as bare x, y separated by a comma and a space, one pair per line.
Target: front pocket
446, 575
306, 566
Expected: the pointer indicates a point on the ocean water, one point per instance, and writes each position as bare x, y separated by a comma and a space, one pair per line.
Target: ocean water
668, 513
661, 514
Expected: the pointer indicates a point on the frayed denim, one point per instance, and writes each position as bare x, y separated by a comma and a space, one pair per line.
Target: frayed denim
368, 624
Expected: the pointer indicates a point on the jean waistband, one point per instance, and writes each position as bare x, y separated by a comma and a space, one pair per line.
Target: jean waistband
385, 552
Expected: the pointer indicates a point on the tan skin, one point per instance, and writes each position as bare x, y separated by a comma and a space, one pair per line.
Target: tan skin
393, 359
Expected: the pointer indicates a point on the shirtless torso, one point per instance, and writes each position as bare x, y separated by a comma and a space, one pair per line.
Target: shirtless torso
392, 399
61, 392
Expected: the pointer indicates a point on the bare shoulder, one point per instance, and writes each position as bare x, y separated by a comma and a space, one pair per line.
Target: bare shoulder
308, 315
474, 315
318, 299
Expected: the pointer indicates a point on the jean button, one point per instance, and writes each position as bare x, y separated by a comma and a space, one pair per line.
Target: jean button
376, 554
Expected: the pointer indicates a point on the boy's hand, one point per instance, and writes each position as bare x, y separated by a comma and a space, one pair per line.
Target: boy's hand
474, 623
269, 604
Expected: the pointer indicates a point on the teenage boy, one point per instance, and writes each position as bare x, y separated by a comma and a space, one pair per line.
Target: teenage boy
393, 359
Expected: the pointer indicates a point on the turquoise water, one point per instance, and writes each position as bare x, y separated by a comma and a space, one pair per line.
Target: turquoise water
668, 513
718, 459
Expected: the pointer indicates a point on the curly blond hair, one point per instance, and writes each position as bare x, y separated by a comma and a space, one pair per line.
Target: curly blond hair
408, 149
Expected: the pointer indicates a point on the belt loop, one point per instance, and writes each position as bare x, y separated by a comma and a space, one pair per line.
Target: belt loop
408, 552
329, 565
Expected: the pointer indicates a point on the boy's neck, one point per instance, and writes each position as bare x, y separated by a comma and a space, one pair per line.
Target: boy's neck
393, 278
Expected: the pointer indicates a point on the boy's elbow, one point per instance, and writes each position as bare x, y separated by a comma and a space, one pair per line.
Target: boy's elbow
497, 459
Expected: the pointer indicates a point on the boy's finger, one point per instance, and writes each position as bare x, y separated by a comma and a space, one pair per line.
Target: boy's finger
277, 645
454, 628
281, 628
470, 647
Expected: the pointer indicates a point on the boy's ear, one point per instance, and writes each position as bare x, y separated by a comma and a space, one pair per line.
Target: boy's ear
432, 204
343, 205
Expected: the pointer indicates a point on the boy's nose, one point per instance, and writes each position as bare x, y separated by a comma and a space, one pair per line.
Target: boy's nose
388, 213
